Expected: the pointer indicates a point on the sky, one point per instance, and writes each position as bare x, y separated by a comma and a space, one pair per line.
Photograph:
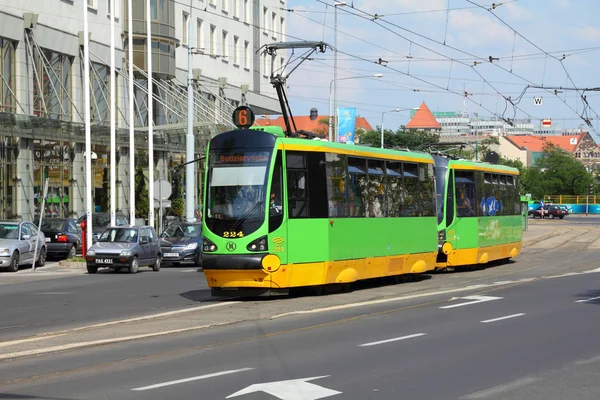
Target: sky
436, 50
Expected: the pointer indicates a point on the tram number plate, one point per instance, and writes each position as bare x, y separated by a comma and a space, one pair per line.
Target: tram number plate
104, 261
171, 255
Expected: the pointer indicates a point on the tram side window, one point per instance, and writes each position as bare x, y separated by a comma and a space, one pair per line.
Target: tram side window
465, 193
479, 192
317, 185
296, 180
336, 185
393, 189
411, 185
427, 189
357, 187
512, 193
503, 196
450, 200
376, 185
517, 197
276, 197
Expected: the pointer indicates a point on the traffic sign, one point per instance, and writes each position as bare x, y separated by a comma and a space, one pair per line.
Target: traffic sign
243, 117
162, 189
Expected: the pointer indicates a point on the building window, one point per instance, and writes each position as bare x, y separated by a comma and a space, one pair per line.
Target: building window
213, 3
117, 8
91, 3
213, 40
265, 20
225, 44
7, 76
247, 11
52, 89
282, 29
99, 93
236, 50
200, 33
246, 54
273, 24
225, 5
153, 10
236, 8
184, 27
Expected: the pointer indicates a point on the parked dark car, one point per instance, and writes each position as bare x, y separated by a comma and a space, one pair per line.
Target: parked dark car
556, 211
181, 243
63, 237
125, 247
101, 221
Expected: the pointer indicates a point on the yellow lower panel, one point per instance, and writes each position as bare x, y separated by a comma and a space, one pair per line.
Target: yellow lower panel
319, 273
483, 255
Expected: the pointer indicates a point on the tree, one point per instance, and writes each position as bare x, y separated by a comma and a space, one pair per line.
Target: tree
411, 139
177, 203
556, 172
141, 194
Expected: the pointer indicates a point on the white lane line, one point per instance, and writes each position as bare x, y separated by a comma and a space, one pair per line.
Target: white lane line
586, 300
476, 299
392, 340
193, 378
502, 318
188, 270
501, 389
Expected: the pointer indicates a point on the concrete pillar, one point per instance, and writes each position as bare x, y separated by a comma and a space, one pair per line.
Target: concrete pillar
23, 197
77, 181
123, 200
23, 79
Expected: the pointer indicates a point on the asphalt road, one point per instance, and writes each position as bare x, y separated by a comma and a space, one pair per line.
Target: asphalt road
524, 341
33, 306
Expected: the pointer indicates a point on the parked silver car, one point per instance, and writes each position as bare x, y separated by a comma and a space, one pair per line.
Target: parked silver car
17, 245
125, 247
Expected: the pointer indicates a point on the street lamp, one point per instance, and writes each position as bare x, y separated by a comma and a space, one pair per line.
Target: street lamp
335, 53
382, 114
331, 107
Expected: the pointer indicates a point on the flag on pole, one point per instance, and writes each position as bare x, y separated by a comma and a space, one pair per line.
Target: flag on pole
346, 124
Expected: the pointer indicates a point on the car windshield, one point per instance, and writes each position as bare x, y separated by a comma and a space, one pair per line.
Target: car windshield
177, 230
52, 225
119, 235
9, 231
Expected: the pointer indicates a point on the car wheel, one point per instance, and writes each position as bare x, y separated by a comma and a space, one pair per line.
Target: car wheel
72, 252
156, 266
117, 269
561, 217
551, 216
92, 269
14, 262
42, 258
198, 261
134, 266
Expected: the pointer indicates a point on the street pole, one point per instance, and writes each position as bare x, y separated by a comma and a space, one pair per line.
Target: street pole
335, 54
131, 117
88, 129
150, 115
37, 239
189, 137
113, 133
477, 137
330, 112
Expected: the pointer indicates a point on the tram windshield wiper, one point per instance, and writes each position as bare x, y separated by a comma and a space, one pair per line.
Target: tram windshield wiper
246, 215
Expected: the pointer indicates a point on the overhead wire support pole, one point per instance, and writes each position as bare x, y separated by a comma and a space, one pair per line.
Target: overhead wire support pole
113, 132
131, 115
189, 137
150, 115
88, 128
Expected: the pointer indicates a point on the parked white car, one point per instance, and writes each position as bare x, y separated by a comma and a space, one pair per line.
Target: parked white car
17, 245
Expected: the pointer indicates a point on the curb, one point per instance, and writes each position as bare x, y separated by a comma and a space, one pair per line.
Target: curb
72, 264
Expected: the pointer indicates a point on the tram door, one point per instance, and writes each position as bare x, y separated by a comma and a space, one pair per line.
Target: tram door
450, 211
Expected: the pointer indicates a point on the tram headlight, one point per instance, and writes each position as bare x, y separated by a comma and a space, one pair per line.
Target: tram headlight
442, 235
208, 246
259, 244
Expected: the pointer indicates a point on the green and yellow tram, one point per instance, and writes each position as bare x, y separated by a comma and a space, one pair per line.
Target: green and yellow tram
479, 213
283, 212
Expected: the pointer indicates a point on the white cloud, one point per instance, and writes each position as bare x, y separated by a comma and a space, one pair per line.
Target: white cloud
587, 33
476, 30
515, 11
562, 3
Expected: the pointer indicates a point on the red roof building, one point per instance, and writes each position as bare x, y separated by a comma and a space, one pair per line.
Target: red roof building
319, 125
424, 120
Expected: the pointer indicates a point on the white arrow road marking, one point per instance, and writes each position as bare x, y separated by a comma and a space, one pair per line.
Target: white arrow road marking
295, 389
194, 378
392, 340
502, 318
586, 300
476, 299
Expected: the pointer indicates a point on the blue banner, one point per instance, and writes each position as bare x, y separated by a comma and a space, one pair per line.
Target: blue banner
346, 124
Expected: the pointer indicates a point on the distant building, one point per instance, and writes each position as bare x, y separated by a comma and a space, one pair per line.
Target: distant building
423, 120
320, 125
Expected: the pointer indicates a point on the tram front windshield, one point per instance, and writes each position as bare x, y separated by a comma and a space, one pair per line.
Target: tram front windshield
237, 191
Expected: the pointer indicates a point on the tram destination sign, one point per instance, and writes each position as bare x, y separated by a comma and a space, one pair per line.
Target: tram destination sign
252, 157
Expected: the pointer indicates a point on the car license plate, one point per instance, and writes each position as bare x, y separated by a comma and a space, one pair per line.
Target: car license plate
104, 261
171, 255
47, 239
